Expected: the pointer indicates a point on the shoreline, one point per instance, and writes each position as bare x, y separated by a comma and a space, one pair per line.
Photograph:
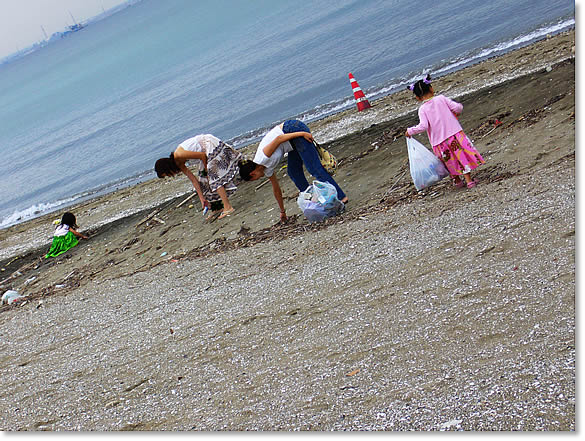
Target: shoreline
389, 107
444, 310
30, 235
22, 245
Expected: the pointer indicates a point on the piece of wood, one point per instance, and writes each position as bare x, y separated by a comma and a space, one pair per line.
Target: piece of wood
401, 176
154, 213
396, 182
186, 200
150, 216
263, 184
490, 132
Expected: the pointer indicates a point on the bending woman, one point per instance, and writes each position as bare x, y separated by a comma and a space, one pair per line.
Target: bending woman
292, 137
217, 170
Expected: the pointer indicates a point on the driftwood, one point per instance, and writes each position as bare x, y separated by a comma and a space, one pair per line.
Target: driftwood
16, 274
155, 212
262, 185
150, 216
6, 280
188, 199
396, 182
401, 176
490, 131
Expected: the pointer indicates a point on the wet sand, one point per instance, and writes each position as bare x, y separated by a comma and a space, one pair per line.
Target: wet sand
444, 310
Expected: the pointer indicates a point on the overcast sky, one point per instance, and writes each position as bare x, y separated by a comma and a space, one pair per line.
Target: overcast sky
21, 20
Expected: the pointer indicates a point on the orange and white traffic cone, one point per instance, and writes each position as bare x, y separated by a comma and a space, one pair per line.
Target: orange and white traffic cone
360, 99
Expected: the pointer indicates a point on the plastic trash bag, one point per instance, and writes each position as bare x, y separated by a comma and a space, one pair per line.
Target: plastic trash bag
425, 168
319, 201
11, 297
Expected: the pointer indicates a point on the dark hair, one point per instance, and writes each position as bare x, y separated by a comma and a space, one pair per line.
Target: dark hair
246, 167
69, 219
421, 87
166, 166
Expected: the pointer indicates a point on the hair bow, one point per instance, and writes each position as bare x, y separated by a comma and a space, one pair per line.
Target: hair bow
424, 80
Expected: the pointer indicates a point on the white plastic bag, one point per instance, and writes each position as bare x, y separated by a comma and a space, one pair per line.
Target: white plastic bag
425, 168
319, 201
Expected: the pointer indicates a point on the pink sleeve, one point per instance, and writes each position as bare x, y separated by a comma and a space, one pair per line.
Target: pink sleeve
422, 126
454, 106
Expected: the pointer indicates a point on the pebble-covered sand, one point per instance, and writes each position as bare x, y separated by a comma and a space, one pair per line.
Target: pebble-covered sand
441, 311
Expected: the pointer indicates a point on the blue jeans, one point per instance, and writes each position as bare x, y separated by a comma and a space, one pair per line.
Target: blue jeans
304, 152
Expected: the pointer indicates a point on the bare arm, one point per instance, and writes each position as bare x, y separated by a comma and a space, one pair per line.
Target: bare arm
273, 145
278, 196
194, 181
78, 234
182, 155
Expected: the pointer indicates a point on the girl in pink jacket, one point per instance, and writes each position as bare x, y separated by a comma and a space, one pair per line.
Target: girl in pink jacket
438, 117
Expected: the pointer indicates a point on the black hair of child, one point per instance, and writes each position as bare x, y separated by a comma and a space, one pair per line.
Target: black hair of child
421, 87
69, 219
246, 168
166, 166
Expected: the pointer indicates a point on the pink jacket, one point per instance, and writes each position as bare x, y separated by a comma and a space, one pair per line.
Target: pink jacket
437, 118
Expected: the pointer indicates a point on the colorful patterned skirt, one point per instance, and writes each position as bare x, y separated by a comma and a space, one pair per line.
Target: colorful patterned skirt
61, 244
458, 154
222, 169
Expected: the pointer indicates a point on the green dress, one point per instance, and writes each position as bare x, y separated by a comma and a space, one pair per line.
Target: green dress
61, 244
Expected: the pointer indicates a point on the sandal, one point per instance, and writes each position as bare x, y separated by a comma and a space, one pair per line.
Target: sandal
226, 213
459, 184
471, 184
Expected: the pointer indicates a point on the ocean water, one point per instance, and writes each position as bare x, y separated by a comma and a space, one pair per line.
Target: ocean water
93, 111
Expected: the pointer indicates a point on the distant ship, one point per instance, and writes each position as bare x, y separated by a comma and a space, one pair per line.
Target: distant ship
66, 31
75, 26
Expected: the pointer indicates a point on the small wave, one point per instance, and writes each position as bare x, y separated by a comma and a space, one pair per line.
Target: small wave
35, 211
328, 109
507, 45
313, 114
41, 209
397, 84
247, 138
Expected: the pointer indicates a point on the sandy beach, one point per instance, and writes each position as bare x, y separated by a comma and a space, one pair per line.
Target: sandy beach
448, 309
